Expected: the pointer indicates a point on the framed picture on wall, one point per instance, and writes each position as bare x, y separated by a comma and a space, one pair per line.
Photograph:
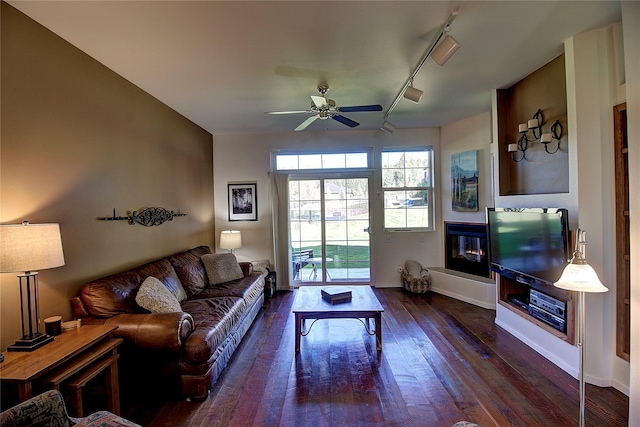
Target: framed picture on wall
464, 181
243, 202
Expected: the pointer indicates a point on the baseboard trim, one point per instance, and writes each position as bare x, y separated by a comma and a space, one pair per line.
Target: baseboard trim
475, 290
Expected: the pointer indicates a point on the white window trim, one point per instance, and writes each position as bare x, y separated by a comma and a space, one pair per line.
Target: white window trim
430, 189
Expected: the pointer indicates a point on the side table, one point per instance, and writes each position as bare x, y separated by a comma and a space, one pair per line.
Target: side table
74, 354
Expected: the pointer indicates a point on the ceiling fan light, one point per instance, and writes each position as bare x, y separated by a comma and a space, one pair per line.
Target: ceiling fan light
388, 127
445, 50
413, 94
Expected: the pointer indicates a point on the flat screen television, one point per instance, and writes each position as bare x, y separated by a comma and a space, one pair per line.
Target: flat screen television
528, 244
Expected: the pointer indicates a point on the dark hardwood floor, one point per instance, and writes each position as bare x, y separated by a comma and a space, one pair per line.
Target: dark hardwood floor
442, 361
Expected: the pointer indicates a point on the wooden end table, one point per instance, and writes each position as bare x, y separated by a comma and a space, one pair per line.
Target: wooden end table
74, 355
308, 304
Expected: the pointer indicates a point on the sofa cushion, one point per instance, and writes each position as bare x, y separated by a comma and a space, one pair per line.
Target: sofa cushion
154, 296
222, 268
163, 271
214, 319
247, 288
190, 270
111, 295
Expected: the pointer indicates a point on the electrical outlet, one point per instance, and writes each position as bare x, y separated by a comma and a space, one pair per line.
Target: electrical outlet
422, 239
387, 239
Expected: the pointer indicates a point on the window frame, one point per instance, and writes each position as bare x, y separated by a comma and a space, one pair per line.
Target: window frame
429, 189
323, 170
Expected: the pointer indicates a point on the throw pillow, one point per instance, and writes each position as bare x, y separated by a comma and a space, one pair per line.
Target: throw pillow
155, 297
413, 268
221, 268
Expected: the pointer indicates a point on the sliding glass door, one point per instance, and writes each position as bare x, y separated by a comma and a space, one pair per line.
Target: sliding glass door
329, 229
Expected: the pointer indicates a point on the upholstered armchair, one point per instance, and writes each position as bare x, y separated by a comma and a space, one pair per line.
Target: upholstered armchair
48, 409
415, 278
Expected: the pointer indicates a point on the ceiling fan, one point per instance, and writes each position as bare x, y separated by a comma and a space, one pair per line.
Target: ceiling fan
323, 108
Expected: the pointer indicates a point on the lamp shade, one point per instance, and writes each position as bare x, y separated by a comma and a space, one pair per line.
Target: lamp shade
230, 239
30, 247
445, 50
581, 278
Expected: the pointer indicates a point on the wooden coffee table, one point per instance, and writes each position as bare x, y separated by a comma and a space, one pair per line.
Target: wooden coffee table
308, 304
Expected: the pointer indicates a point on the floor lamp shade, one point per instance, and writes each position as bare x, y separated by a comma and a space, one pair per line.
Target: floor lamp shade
26, 248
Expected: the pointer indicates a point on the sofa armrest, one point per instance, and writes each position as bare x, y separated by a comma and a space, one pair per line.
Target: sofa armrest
247, 268
44, 409
158, 331
77, 308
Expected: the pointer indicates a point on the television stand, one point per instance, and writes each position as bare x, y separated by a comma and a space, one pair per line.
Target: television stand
510, 294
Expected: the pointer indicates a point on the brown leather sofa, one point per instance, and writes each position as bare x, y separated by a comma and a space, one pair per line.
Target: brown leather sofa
196, 343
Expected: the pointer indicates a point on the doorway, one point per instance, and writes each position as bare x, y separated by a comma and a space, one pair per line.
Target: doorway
329, 229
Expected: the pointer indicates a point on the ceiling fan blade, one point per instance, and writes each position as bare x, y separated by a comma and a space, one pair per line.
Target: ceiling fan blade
319, 101
306, 123
289, 112
344, 120
360, 108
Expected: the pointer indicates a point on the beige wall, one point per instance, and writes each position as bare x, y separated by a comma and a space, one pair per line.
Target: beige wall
473, 133
79, 141
246, 158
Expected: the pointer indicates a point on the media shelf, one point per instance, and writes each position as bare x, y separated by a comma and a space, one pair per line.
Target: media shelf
508, 287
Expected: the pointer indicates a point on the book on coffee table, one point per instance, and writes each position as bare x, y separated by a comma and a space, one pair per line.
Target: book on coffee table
336, 294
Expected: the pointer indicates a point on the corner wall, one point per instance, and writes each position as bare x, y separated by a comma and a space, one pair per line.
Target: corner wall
77, 142
473, 133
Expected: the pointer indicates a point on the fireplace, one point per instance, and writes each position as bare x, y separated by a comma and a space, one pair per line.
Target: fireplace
466, 248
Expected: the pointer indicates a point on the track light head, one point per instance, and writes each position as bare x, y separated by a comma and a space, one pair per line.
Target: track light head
445, 50
388, 127
413, 94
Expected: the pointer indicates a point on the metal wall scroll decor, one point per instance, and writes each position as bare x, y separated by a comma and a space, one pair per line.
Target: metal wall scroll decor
147, 217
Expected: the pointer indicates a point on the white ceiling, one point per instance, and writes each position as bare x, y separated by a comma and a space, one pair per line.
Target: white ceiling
222, 64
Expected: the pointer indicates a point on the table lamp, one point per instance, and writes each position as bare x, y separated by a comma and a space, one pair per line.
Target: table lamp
24, 248
230, 239
580, 277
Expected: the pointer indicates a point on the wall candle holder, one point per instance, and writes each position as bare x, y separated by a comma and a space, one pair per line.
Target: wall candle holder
147, 217
535, 126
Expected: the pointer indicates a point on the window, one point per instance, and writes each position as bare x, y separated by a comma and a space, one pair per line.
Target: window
319, 161
407, 187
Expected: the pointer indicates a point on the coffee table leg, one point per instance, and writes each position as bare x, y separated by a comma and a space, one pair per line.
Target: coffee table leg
298, 321
378, 321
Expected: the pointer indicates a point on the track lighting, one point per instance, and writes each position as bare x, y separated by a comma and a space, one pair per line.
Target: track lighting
440, 53
413, 94
445, 50
388, 127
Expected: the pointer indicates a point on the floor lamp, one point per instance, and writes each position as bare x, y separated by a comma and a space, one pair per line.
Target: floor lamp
25, 248
580, 277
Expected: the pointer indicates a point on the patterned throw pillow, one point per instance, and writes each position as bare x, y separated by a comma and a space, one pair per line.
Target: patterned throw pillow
222, 268
155, 297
